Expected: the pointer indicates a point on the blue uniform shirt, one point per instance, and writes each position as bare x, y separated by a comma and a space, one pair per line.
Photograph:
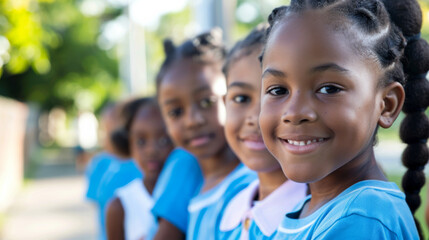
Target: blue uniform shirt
367, 210
119, 173
176, 185
206, 209
95, 171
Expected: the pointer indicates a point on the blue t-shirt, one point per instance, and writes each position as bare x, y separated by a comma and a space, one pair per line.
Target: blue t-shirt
176, 185
94, 172
206, 209
367, 210
119, 174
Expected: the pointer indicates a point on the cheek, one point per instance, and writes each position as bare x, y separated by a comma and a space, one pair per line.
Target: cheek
232, 125
173, 129
268, 118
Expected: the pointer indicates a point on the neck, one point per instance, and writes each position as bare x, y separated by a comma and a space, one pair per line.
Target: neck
216, 168
335, 183
269, 182
149, 184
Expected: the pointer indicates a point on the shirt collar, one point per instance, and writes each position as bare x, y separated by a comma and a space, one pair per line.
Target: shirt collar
238, 207
269, 213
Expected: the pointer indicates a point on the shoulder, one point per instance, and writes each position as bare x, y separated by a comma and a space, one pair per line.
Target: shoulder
356, 227
372, 205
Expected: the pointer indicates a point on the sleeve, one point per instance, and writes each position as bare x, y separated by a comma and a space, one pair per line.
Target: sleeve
176, 185
357, 227
94, 173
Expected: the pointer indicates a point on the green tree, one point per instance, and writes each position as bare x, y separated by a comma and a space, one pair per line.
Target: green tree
54, 58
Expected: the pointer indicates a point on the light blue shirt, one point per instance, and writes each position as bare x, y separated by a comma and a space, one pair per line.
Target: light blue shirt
206, 209
176, 185
119, 174
367, 210
95, 171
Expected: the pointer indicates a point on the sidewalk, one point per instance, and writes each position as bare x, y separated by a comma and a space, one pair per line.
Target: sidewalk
51, 207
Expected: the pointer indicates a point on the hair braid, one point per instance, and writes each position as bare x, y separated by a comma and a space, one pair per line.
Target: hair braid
206, 48
407, 15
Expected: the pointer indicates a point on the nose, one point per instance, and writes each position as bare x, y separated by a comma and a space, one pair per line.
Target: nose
298, 109
252, 118
194, 117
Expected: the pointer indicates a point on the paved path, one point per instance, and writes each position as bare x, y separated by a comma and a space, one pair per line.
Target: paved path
51, 207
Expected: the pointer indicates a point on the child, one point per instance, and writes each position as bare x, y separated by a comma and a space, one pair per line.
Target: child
144, 139
331, 76
190, 88
257, 210
108, 170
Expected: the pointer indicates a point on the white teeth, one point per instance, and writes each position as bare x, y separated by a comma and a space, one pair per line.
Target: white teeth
303, 143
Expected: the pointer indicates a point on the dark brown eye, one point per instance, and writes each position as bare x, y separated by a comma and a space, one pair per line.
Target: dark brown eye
329, 89
278, 91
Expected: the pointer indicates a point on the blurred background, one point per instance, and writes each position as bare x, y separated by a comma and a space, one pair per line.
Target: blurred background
62, 61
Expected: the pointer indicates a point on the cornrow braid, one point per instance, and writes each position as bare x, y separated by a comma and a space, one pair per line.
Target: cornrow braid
393, 29
206, 48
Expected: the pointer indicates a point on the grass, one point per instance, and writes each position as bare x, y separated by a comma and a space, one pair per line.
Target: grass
420, 214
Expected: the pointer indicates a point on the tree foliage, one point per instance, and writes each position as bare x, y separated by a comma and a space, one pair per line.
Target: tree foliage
53, 57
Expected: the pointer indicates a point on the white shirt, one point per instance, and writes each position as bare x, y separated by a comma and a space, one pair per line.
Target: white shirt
137, 204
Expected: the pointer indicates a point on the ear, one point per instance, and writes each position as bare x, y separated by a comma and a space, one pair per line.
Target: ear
393, 100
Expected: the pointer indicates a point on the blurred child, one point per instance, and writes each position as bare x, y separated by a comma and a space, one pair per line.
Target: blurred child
190, 87
109, 170
143, 138
257, 210
331, 75
172, 194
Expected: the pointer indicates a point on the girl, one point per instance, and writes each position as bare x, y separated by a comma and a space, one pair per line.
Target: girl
257, 210
331, 75
190, 87
144, 139
109, 170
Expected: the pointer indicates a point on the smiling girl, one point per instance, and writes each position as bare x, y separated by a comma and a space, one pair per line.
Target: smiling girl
331, 75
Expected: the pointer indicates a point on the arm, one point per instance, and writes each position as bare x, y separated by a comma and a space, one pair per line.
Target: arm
115, 220
168, 231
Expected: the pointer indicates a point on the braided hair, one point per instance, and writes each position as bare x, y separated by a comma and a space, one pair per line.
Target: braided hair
254, 41
206, 48
121, 137
393, 29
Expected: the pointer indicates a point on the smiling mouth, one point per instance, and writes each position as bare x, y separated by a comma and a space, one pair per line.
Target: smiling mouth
200, 140
304, 142
303, 145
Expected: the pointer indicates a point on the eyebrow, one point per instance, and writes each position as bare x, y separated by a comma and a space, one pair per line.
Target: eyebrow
170, 101
273, 72
329, 66
201, 89
240, 85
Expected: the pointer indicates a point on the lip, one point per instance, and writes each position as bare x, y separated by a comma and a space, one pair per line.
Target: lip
200, 140
154, 165
302, 144
253, 142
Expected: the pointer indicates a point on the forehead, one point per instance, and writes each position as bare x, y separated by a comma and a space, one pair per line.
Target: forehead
188, 77
246, 69
312, 37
